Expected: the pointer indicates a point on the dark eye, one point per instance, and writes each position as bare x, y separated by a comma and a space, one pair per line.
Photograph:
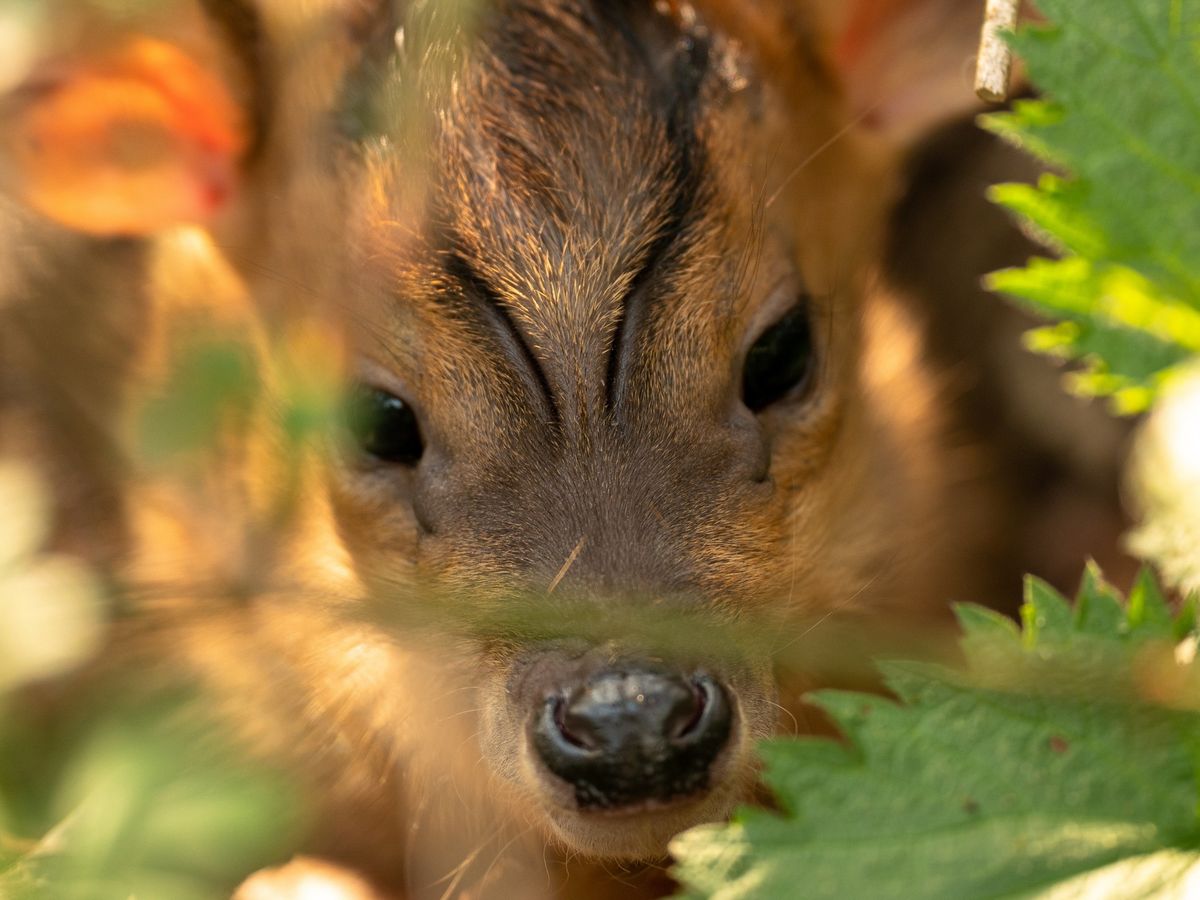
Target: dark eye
780, 360
385, 426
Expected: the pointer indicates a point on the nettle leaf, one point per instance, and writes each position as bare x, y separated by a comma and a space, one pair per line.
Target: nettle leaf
1061, 758
1122, 116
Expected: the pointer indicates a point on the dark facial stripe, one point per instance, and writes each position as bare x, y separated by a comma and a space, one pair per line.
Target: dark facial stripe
667, 246
680, 103
488, 301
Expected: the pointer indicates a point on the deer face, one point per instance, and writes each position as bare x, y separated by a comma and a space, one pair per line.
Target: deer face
609, 355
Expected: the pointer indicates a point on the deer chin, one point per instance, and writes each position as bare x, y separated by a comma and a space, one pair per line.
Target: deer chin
639, 832
636, 835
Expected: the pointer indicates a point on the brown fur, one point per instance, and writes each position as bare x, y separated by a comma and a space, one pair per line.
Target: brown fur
561, 267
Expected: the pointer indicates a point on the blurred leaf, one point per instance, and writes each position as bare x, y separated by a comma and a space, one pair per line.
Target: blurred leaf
213, 384
148, 802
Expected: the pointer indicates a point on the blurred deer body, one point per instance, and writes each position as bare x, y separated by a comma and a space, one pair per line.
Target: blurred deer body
606, 286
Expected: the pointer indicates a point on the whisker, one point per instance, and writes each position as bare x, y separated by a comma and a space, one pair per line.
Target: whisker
457, 874
460, 713
841, 133
499, 853
845, 601
788, 713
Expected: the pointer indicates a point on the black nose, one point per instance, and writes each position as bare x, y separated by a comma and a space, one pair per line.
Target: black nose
629, 736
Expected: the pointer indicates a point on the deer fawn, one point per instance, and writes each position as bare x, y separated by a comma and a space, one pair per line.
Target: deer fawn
599, 279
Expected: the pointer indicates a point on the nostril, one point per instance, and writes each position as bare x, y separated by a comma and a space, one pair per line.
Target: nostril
699, 704
559, 713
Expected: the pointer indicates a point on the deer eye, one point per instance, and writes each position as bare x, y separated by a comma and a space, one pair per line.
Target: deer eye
780, 361
385, 426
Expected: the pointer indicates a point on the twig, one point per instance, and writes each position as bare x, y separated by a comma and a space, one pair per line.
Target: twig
574, 555
994, 65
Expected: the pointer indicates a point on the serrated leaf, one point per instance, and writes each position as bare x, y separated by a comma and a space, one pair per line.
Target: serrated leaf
1045, 614
1147, 611
1134, 146
1098, 607
968, 790
1049, 207
1122, 117
979, 621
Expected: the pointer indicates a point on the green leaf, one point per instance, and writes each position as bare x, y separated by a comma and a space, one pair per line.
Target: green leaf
148, 801
213, 382
1098, 605
1003, 781
1121, 80
1045, 614
1148, 610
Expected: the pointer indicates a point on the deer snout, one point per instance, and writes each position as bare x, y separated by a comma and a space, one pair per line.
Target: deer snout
632, 737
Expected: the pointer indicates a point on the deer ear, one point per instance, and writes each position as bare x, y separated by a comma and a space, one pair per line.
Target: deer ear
904, 65
139, 137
